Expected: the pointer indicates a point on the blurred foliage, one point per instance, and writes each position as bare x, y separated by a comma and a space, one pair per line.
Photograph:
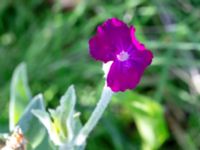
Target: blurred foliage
52, 39
148, 116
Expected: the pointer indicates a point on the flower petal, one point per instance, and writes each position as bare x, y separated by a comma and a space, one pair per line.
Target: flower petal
111, 38
143, 57
124, 75
136, 43
100, 50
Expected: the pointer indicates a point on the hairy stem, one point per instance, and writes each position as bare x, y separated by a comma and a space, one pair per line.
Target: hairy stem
95, 117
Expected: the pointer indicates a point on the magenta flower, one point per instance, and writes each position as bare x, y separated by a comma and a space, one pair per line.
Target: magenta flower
116, 42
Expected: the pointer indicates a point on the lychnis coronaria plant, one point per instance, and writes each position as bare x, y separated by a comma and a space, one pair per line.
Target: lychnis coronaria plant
124, 62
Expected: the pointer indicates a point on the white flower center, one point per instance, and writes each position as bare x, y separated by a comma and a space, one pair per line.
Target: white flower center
123, 56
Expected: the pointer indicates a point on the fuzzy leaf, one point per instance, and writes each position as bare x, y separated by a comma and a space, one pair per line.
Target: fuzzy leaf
60, 123
63, 115
45, 119
19, 96
67, 103
30, 125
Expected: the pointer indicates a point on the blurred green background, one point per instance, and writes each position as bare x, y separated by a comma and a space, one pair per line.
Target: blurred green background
51, 37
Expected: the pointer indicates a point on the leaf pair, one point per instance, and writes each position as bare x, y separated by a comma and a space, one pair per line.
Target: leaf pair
62, 123
21, 104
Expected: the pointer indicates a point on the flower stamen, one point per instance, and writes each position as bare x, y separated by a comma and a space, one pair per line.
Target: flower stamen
123, 56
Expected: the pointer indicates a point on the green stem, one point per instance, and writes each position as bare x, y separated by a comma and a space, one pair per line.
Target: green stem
95, 117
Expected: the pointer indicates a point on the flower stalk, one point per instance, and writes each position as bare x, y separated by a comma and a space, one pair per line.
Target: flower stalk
95, 116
